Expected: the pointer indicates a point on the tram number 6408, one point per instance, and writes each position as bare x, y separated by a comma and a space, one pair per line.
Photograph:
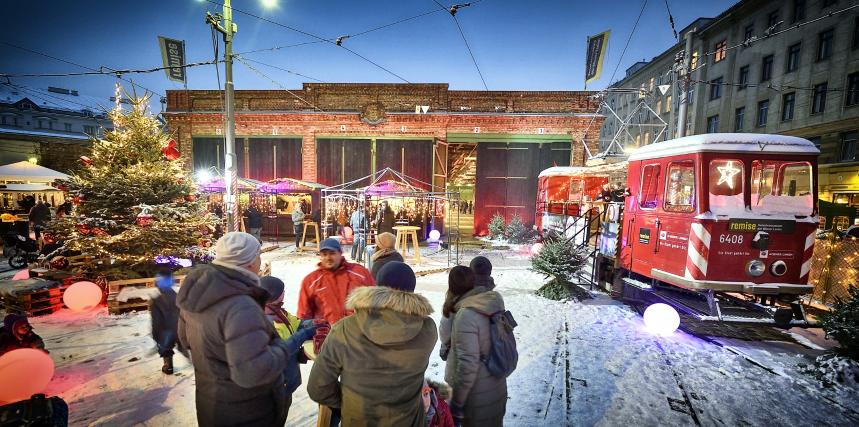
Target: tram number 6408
734, 239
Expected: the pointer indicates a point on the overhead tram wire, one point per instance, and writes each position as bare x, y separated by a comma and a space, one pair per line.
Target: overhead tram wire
76, 64
671, 20
755, 39
107, 71
276, 83
626, 46
452, 11
321, 39
279, 68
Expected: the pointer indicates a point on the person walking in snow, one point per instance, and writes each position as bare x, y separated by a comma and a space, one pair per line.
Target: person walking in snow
359, 238
479, 398
373, 362
164, 314
290, 329
323, 292
239, 361
298, 223
384, 253
253, 222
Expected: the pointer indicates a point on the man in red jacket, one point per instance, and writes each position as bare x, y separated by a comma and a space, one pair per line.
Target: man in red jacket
324, 291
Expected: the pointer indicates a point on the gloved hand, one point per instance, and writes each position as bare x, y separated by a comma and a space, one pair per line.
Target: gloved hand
457, 412
306, 324
305, 332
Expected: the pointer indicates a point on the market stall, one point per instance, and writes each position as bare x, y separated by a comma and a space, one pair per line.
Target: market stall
21, 180
213, 187
282, 195
410, 203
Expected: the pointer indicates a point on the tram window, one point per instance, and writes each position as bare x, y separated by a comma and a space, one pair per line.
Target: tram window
649, 187
680, 187
782, 187
726, 186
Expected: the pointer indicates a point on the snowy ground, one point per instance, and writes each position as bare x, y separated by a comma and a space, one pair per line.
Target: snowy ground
588, 363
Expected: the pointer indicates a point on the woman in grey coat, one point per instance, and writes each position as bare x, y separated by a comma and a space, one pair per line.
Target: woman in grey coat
479, 398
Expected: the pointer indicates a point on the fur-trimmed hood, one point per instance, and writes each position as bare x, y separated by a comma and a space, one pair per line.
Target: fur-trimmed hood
388, 316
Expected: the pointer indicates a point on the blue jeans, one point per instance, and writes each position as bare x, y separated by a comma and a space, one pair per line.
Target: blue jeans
358, 245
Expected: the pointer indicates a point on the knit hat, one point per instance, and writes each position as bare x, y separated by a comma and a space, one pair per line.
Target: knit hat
481, 266
385, 240
396, 275
460, 280
12, 320
236, 249
273, 285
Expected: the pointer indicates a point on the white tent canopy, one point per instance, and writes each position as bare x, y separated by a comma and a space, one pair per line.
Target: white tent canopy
29, 173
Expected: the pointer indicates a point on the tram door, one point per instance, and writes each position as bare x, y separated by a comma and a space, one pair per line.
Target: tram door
644, 225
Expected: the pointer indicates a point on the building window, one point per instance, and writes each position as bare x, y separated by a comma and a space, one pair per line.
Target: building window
848, 146
40, 124
818, 103
852, 95
50, 124
668, 104
787, 104
691, 95
767, 68
856, 33
716, 88
739, 118
798, 10
713, 124
748, 33
659, 107
680, 187
89, 130
824, 44
772, 20
763, 111
793, 58
68, 127
744, 77
721, 50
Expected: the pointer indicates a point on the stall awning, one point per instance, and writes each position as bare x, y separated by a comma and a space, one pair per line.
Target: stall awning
289, 185
28, 172
217, 185
25, 188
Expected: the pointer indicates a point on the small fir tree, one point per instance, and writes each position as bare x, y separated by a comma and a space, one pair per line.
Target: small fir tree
516, 231
842, 323
559, 260
134, 200
497, 227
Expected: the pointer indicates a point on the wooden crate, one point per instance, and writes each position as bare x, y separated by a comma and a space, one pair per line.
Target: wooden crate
37, 310
114, 306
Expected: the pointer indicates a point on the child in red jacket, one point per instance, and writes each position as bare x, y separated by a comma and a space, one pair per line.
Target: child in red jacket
434, 395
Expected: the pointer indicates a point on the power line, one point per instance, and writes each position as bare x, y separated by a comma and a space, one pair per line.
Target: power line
631, 33
777, 88
278, 47
32, 92
276, 83
43, 92
754, 39
321, 39
107, 71
671, 20
279, 68
429, 12
452, 11
75, 64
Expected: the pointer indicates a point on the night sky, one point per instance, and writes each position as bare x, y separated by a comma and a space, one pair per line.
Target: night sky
519, 45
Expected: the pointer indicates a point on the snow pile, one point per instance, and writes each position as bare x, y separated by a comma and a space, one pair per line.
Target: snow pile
834, 371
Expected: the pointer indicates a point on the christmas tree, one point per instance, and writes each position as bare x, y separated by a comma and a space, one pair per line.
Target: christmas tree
134, 200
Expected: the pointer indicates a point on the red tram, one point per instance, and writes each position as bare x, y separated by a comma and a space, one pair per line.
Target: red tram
729, 218
564, 193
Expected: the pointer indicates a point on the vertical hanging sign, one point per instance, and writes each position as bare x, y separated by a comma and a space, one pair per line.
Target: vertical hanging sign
173, 55
596, 55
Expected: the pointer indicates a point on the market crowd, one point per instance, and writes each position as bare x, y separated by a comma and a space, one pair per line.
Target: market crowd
368, 334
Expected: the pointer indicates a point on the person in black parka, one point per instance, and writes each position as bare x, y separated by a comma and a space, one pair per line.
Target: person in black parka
16, 333
165, 319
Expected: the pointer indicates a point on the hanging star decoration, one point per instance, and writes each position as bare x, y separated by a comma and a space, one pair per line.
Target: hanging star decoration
727, 173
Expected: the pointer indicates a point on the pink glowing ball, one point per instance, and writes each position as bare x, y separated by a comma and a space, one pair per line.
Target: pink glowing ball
23, 373
536, 248
82, 296
661, 319
22, 275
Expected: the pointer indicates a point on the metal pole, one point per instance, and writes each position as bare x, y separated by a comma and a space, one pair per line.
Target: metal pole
687, 78
672, 124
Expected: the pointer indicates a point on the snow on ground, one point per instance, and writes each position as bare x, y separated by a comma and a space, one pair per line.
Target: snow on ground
589, 363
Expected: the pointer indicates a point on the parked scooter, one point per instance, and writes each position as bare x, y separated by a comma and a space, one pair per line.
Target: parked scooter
20, 250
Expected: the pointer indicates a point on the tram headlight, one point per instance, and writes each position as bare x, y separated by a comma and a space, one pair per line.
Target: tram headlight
778, 268
755, 268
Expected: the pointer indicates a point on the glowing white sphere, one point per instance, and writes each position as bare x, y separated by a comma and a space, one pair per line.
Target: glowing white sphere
661, 319
536, 248
23, 373
434, 235
21, 275
82, 296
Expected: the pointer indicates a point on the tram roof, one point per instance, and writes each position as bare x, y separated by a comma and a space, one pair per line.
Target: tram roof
727, 143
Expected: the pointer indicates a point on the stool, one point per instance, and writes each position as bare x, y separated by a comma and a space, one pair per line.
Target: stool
304, 234
403, 234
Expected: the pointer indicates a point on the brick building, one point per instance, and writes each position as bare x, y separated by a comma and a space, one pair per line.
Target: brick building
492, 144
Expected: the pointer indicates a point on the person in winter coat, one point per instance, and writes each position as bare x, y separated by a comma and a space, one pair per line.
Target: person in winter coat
298, 223
434, 395
482, 268
384, 253
39, 216
253, 222
359, 238
372, 364
165, 319
17, 333
385, 219
323, 292
479, 398
290, 329
239, 361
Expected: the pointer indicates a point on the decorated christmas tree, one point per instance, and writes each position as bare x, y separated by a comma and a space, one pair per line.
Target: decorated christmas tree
134, 200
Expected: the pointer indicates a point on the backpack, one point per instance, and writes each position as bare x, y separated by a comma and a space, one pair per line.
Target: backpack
503, 356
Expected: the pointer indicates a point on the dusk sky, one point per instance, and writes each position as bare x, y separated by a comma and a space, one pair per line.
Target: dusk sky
519, 45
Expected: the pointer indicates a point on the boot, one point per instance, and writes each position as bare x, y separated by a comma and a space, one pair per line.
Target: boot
168, 365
